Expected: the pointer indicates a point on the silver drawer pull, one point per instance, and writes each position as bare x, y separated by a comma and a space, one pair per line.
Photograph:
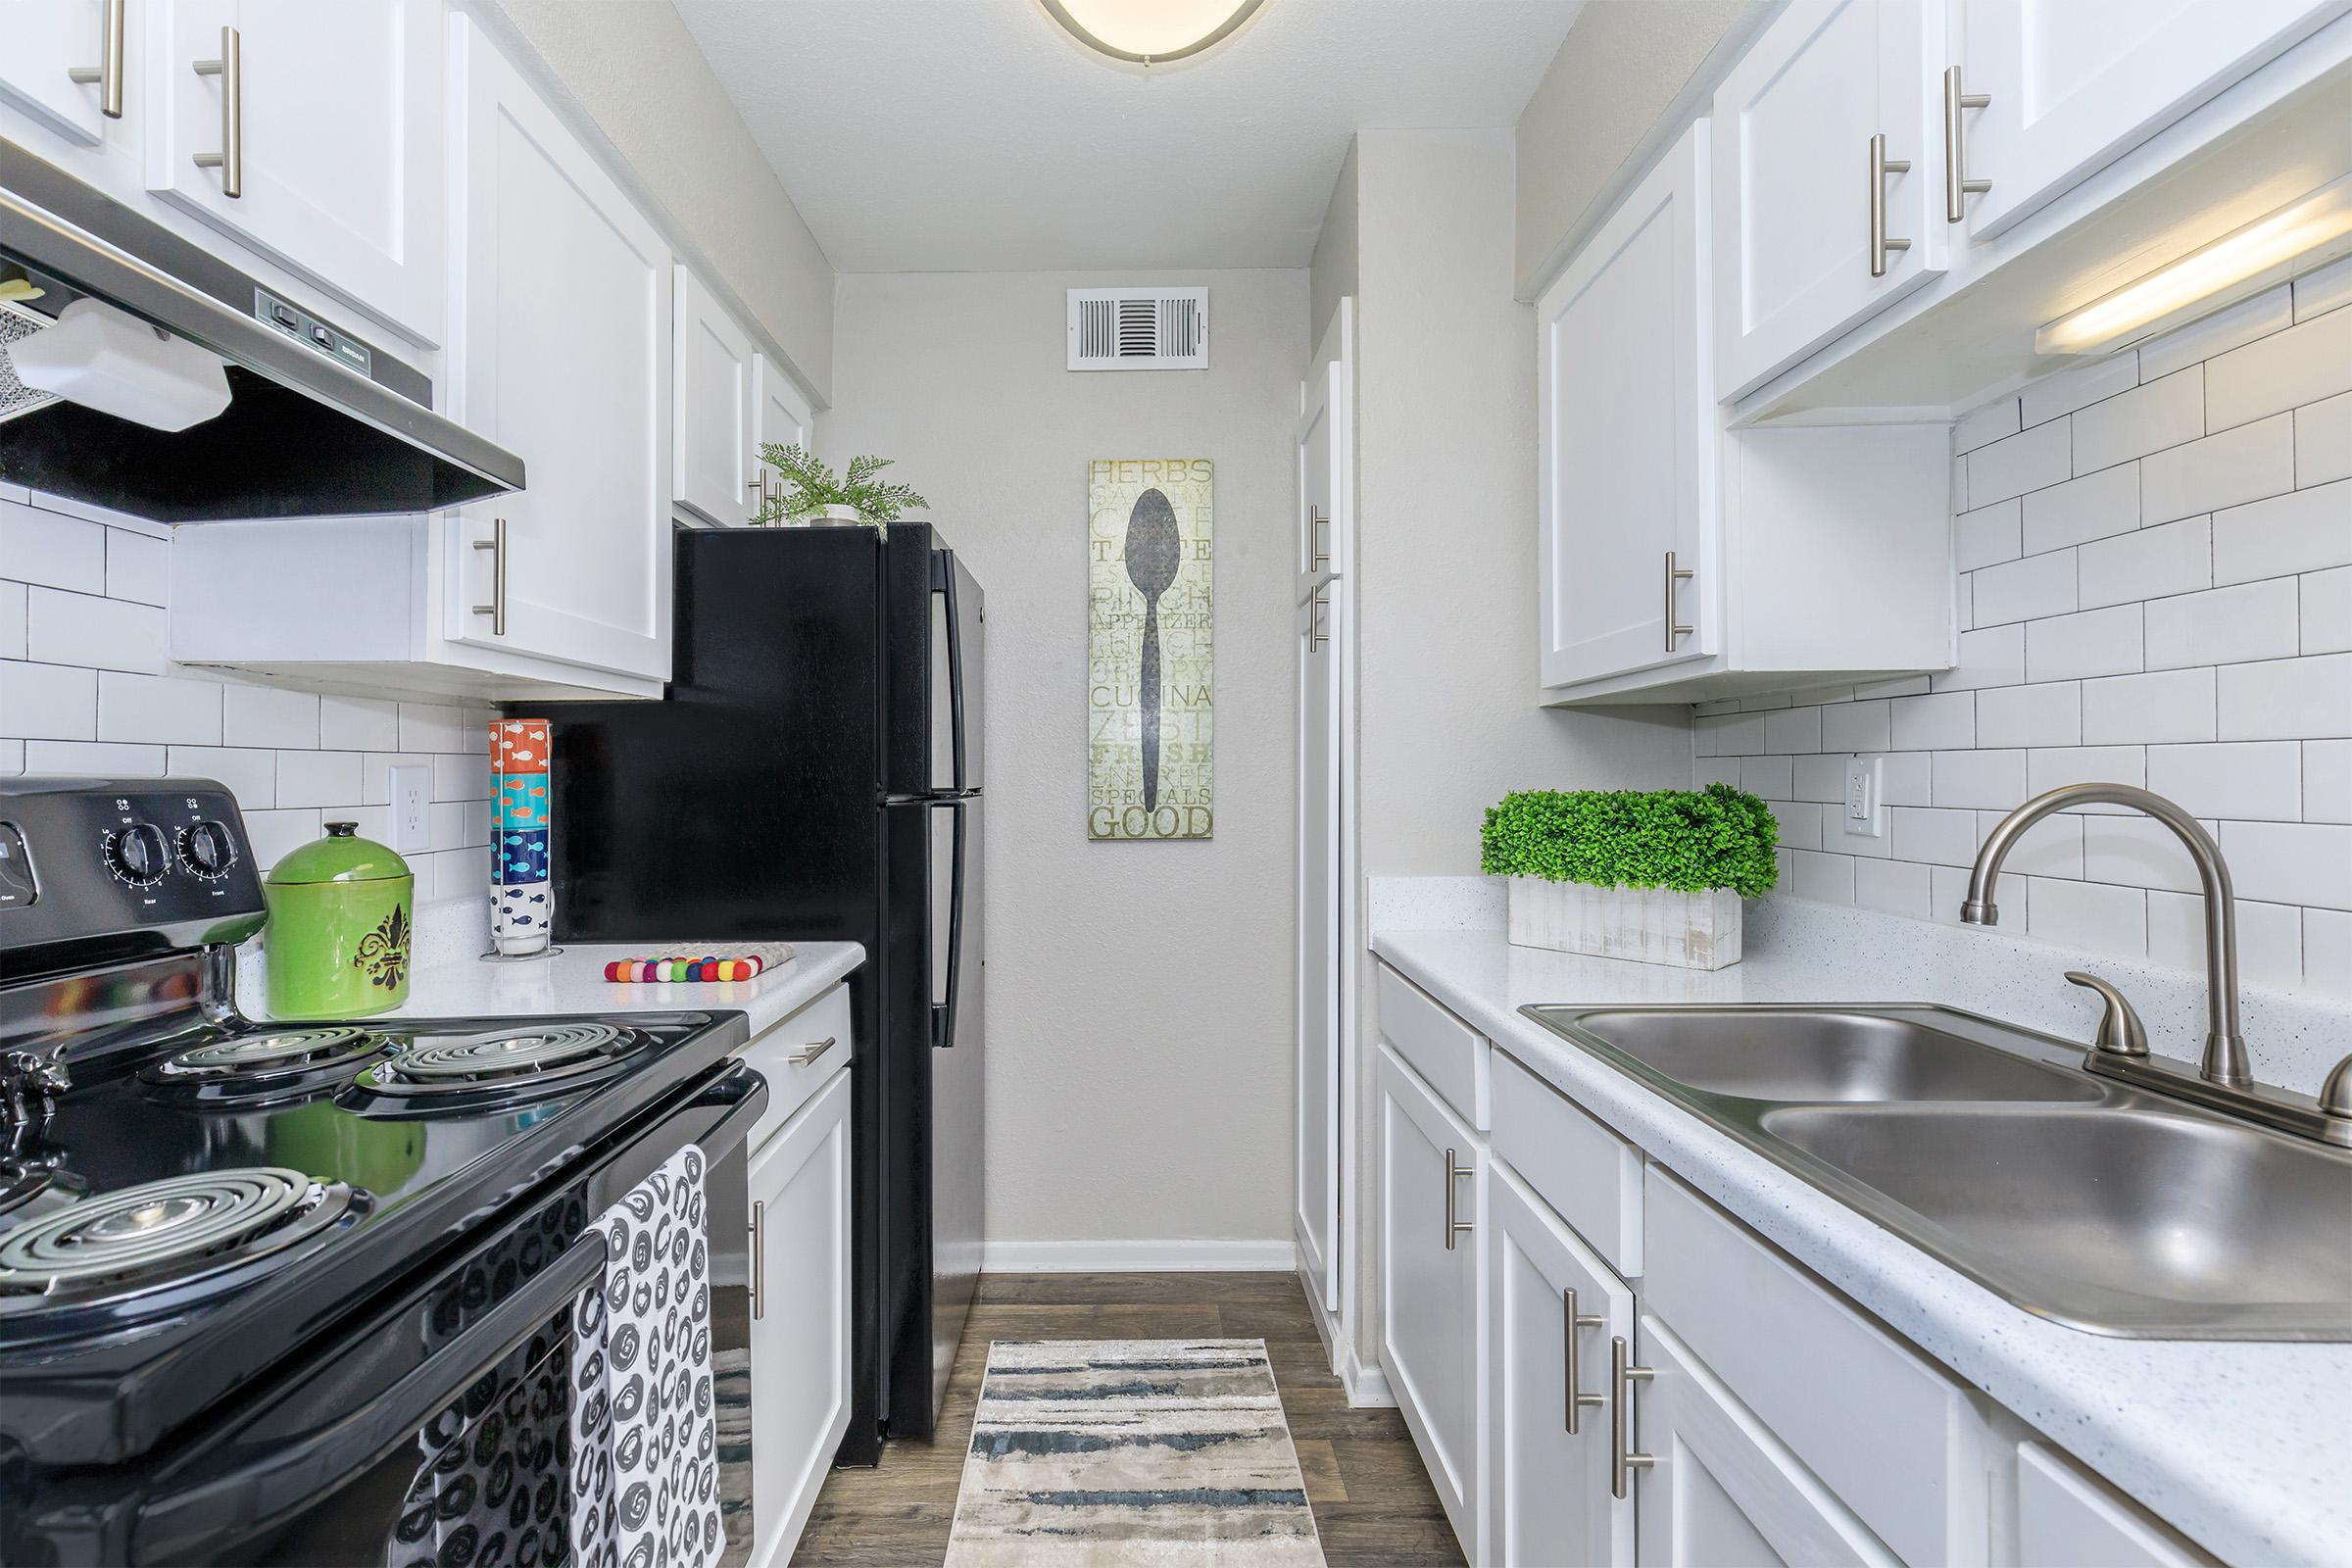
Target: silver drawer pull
1957, 186
495, 609
1623, 1375
1570, 1321
231, 69
107, 74
759, 1258
1881, 166
808, 1054
1454, 1226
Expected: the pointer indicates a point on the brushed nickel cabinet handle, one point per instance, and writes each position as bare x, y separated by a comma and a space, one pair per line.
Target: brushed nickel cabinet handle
1570, 1321
1318, 617
1316, 522
1881, 166
1957, 186
107, 74
760, 1258
1623, 1375
1674, 574
808, 1054
495, 609
1454, 1227
231, 69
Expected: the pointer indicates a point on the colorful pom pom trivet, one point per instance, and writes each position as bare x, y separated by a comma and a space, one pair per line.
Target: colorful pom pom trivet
742, 964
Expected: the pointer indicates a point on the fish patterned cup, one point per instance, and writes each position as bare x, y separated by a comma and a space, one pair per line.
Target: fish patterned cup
523, 903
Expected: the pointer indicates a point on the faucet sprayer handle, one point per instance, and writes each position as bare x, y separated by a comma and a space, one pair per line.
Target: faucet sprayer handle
2120, 1032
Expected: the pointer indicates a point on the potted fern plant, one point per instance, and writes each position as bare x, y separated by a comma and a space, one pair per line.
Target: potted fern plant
1655, 875
812, 494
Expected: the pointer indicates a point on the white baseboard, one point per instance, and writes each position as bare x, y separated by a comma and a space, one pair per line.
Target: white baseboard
1139, 1257
1367, 1384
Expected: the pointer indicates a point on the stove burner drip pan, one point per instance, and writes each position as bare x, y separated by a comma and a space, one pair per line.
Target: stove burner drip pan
504, 1064
264, 1057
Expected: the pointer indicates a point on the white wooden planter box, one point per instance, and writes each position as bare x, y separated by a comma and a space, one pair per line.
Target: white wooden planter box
1652, 926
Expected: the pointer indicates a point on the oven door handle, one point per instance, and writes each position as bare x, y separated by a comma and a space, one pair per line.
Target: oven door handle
199, 1512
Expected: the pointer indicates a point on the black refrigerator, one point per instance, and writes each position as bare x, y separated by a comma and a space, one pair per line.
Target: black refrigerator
814, 772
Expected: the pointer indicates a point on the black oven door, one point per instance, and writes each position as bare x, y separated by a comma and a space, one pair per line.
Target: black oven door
439, 1434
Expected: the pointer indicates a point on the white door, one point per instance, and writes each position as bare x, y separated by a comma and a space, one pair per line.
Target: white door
329, 129
800, 1189
1626, 441
49, 41
715, 366
1553, 1306
2066, 1519
1721, 1491
562, 332
1325, 524
1793, 187
1432, 1195
782, 417
2073, 82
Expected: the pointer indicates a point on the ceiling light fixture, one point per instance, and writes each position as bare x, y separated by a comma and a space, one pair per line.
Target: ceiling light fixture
2295, 238
1150, 33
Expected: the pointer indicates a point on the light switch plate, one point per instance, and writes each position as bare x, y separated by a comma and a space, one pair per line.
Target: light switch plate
1865, 813
412, 791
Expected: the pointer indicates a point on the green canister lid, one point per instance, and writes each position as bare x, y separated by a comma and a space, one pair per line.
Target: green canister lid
340, 857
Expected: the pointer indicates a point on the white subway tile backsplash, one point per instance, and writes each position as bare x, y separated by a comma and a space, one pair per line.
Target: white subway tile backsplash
2096, 641
2327, 951
1905, 778
1706, 771
248, 773
1993, 657
2092, 507
460, 777
1823, 878
48, 702
2290, 863
2271, 310
55, 552
2011, 466
2137, 851
1938, 721
2030, 715
1799, 822
2224, 625
2228, 469
1993, 780
2051, 846
269, 716
2068, 390
2025, 590
1934, 833
94, 758
158, 708
2163, 413
1742, 734
2270, 937
2308, 531
318, 778
1792, 730
2261, 779
2324, 441
1819, 778
2087, 914
1990, 534
1767, 776
2309, 360
359, 723
274, 833
2176, 705
426, 727
94, 633
2328, 288
138, 568
2053, 768
1986, 426
1865, 726
2173, 557
12, 620
2327, 781
1893, 887
2286, 699
1899, 686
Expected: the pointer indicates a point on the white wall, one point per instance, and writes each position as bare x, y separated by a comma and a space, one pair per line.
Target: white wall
2156, 582
1139, 995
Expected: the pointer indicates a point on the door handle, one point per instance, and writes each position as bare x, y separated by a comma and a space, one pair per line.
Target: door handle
1317, 636
1957, 186
758, 1259
231, 69
1570, 1321
1623, 1375
808, 1054
1674, 574
943, 583
1318, 555
495, 609
1454, 1226
107, 74
942, 1016
1881, 166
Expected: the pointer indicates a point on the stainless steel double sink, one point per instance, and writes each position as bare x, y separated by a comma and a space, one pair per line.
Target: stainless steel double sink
2086, 1201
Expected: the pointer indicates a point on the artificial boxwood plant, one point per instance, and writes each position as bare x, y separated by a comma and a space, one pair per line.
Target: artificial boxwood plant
1686, 840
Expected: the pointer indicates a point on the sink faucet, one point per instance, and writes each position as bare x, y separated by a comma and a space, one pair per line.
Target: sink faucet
2225, 1061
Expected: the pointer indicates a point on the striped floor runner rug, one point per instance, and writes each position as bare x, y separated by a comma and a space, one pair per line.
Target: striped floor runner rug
1132, 1453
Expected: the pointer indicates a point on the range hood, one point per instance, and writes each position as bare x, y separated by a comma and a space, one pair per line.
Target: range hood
319, 423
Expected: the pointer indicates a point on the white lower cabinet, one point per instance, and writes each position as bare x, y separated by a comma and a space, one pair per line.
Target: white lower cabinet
1432, 1192
1552, 1310
800, 1219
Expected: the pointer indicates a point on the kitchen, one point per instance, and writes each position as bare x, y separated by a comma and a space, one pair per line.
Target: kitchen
1888, 415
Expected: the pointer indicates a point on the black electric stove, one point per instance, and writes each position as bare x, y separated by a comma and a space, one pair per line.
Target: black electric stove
256, 1280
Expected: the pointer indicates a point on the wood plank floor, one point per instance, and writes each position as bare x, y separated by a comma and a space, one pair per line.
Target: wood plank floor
1372, 1499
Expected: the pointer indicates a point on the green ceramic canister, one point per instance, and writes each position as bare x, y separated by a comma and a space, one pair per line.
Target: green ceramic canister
340, 911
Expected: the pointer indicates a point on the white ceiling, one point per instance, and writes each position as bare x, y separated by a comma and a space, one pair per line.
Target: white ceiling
975, 135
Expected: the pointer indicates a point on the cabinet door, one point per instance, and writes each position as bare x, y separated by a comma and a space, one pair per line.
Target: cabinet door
337, 110
2075, 83
1626, 438
561, 335
47, 39
2066, 1520
781, 413
799, 1187
1432, 1190
1793, 189
1548, 1484
1721, 1492
715, 366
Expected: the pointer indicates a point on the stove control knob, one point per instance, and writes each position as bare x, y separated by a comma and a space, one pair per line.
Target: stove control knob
207, 850
137, 855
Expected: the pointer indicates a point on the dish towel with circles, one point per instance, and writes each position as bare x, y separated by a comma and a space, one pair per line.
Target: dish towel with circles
645, 1433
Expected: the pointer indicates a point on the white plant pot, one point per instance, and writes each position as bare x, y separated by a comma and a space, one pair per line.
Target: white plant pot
836, 517
1650, 925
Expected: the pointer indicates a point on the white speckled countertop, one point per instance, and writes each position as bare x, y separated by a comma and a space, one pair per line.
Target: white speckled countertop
2245, 1447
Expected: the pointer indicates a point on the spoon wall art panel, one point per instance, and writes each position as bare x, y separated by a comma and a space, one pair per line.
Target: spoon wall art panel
1149, 648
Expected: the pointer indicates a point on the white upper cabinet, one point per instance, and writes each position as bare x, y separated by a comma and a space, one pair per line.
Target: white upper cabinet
2071, 83
49, 43
1626, 437
320, 127
780, 411
560, 331
1819, 224
716, 400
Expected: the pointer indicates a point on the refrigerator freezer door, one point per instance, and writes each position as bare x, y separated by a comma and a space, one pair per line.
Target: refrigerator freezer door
959, 659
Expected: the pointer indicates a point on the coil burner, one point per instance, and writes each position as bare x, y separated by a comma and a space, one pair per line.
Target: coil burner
528, 1063
273, 1060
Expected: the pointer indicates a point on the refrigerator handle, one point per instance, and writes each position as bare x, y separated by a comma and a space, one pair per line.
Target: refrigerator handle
943, 1014
942, 582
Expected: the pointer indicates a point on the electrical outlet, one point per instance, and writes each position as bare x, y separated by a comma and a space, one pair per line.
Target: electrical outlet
411, 790
1865, 811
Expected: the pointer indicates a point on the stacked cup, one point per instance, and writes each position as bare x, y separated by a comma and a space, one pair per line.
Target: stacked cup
523, 907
